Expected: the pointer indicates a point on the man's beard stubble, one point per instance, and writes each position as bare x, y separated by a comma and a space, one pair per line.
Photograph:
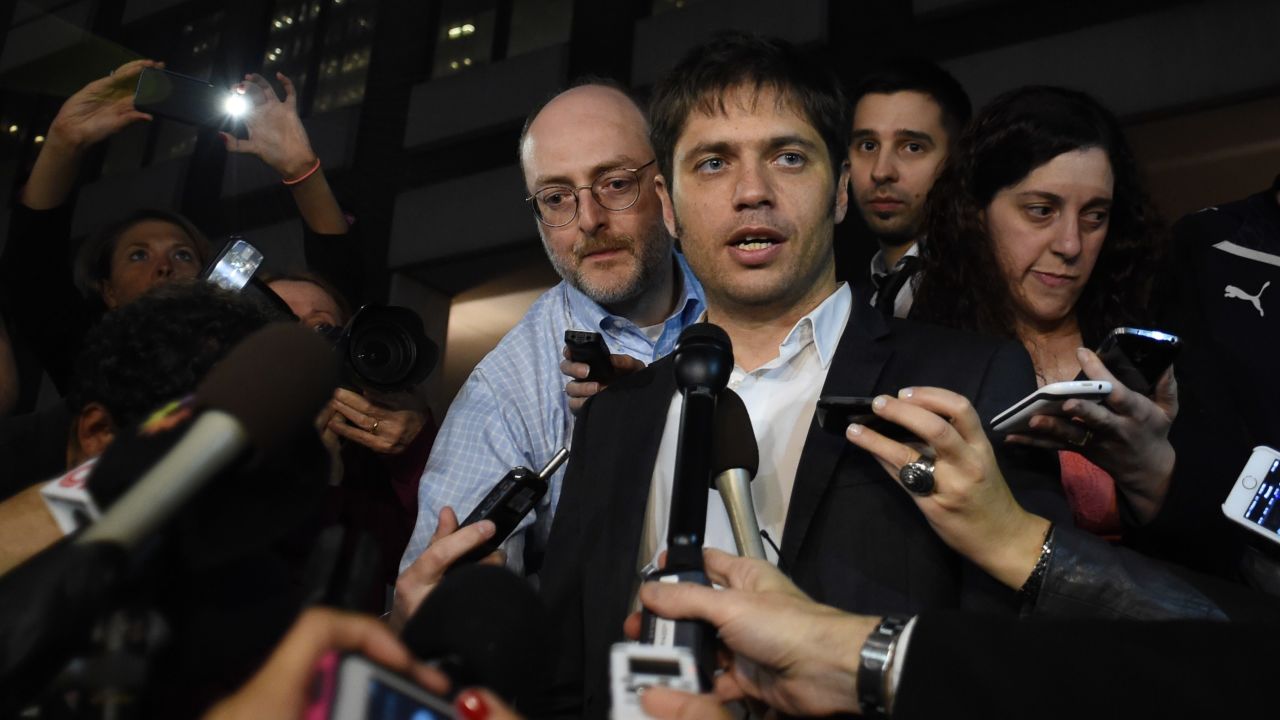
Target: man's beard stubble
650, 253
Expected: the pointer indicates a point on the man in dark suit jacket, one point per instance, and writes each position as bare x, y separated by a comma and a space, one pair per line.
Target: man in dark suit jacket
751, 138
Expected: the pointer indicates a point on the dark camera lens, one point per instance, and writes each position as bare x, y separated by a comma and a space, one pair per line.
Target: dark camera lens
384, 353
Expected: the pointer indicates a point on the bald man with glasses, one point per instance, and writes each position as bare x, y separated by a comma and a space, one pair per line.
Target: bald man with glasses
589, 170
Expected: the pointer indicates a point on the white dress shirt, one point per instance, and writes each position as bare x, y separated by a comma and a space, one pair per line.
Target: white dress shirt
780, 396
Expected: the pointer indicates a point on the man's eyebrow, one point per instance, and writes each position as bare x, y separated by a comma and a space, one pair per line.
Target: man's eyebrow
618, 161
914, 135
790, 140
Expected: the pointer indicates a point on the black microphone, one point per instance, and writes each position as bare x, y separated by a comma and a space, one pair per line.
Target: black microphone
735, 459
485, 627
702, 360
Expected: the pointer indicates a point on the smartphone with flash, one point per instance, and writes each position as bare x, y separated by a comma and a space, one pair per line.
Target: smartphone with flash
1137, 357
352, 687
1254, 501
179, 97
1048, 400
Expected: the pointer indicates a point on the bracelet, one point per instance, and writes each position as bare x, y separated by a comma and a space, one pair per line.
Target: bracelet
874, 660
303, 176
1030, 589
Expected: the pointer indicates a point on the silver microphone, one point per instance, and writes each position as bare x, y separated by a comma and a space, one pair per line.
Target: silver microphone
735, 459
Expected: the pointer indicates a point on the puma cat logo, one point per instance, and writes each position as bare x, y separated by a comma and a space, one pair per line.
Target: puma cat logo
1234, 292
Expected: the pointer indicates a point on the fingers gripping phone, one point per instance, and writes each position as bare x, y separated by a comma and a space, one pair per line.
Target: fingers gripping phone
352, 687
588, 347
1137, 358
1254, 502
189, 100
1048, 400
836, 413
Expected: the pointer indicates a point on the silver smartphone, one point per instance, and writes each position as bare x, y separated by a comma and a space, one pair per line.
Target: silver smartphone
1254, 501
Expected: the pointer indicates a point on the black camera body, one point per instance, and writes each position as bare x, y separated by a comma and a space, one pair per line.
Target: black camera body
384, 348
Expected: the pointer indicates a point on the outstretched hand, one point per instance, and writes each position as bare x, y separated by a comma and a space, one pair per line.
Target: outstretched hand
100, 109
276, 134
971, 507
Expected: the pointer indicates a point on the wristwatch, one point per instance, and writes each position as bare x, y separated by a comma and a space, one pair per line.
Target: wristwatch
874, 660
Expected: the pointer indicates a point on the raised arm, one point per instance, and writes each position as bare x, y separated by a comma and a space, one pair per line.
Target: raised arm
277, 137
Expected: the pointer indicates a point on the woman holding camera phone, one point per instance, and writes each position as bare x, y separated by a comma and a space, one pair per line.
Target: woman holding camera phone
1039, 230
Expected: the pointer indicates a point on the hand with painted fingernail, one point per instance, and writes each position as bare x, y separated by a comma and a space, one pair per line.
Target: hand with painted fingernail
969, 504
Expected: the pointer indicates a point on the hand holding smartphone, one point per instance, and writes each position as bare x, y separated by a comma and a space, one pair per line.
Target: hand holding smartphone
352, 687
1048, 400
1137, 358
836, 413
189, 100
588, 347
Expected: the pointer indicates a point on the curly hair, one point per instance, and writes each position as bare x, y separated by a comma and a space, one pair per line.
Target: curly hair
961, 284
160, 346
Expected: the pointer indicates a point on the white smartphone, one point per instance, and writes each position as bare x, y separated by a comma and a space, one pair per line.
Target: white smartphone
1048, 400
352, 687
636, 666
1255, 496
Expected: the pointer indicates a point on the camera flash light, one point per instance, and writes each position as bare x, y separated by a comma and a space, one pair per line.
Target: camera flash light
236, 105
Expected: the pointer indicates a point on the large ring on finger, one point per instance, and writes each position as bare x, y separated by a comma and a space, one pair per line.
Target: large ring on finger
374, 429
917, 476
1084, 439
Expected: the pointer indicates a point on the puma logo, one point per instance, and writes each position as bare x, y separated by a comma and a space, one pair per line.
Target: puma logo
1234, 292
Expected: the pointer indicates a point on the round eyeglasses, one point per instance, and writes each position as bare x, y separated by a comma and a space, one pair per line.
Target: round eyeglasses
616, 189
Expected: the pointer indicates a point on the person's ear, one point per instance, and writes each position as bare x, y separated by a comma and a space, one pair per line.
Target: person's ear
108, 294
94, 430
668, 206
842, 192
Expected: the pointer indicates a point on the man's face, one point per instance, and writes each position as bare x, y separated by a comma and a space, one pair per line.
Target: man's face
899, 144
611, 256
754, 200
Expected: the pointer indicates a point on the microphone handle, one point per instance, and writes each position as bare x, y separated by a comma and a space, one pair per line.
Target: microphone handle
698, 636
735, 490
687, 522
214, 441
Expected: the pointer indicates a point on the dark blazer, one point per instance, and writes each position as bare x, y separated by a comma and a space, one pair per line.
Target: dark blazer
853, 538
968, 665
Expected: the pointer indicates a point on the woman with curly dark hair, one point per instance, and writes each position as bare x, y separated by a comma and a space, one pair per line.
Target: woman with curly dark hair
1039, 230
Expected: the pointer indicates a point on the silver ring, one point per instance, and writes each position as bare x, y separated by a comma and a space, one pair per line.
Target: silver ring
917, 476
374, 429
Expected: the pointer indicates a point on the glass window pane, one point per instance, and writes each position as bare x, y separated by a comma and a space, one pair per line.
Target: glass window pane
344, 61
466, 35
536, 24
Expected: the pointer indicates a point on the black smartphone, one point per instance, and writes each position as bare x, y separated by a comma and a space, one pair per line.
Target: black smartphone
1138, 357
588, 347
175, 96
835, 413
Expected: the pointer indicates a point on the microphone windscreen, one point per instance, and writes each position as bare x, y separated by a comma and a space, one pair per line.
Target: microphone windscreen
703, 358
489, 628
733, 440
274, 382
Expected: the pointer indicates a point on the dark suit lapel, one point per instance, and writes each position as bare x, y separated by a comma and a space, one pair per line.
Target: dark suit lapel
638, 417
860, 357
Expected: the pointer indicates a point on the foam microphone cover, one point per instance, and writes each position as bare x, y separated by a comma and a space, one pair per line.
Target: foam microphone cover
733, 438
703, 357
274, 382
487, 627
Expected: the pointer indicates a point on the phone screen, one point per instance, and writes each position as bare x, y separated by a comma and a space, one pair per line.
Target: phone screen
1262, 509
388, 703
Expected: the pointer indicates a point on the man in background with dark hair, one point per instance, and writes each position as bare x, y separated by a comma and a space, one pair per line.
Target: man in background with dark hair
906, 115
